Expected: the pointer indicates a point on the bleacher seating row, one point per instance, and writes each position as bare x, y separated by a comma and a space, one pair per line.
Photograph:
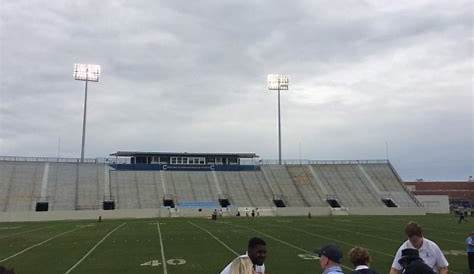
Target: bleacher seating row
85, 186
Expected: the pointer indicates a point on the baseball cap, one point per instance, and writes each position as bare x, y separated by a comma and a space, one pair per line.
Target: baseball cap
331, 251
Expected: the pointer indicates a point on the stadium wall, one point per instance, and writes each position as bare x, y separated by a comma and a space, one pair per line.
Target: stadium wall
76, 190
29, 216
434, 203
386, 211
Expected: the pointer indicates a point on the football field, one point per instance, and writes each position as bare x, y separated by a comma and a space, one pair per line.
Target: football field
202, 246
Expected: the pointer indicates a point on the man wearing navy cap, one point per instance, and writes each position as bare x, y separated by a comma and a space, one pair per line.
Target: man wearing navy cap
330, 259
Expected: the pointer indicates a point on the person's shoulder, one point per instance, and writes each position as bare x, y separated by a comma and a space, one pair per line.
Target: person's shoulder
242, 259
431, 243
428, 240
239, 259
405, 244
364, 271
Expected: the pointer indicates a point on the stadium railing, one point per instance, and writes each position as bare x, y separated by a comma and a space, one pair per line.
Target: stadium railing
64, 160
318, 162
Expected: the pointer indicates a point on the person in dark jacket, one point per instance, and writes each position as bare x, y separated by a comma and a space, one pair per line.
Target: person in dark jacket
3, 270
470, 251
413, 264
360, 258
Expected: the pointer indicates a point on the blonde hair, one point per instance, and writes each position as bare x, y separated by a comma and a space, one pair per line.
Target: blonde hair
359, 256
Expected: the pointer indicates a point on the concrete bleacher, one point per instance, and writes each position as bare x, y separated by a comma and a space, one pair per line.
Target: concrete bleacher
279, 177
6, 172
389, 184
84, 186
65, 186
150, 189
90, 189
312, 194
198, 204
202, 186
182, 185
137, 189
384, 176
125, 189
62, 186
232, 185
254, 184
19, 185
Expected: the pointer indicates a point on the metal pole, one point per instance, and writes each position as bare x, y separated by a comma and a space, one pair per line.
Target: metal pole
279, 126
84, 125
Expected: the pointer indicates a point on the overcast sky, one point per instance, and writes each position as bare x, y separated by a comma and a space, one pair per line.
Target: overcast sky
190, 76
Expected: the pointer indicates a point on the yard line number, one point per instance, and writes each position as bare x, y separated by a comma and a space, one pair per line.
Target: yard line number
155, 263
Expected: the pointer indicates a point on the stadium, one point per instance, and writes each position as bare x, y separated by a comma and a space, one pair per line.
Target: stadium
236, 137
145, 199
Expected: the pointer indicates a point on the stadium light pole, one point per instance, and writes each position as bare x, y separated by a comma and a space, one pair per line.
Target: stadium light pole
87, 73
278, 82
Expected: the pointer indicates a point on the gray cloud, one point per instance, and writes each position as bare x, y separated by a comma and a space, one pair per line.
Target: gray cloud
191, 77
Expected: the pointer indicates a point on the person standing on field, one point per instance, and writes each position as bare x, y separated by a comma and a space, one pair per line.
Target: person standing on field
470, 251
428, 250
250, 263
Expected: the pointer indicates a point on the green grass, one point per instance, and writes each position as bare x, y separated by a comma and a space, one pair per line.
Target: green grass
137, 241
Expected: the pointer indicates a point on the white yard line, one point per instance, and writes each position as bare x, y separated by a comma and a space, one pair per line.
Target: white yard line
23, 232
38, 244
215, 238
9, 227
93, 248
356, 232
334, 240
165, 271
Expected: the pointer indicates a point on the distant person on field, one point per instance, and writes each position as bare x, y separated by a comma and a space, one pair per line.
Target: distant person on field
360, 258
470, 251
330, 257
250, 263
428, 250
462, 216
412, 263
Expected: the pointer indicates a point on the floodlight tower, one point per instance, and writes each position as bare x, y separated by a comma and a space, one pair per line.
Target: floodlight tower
86, 72
278, 82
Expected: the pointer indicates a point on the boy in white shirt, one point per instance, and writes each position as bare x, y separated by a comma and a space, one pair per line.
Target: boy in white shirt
428, 250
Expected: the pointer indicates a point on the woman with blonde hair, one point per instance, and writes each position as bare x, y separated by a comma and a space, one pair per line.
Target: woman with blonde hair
360, 258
